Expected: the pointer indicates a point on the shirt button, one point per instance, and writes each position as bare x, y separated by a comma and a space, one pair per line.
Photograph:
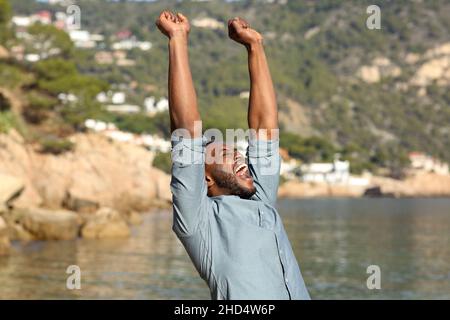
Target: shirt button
286, 280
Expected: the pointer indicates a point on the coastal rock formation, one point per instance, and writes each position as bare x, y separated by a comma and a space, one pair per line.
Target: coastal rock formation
97, 173
50, 225
10, 188
105, 223
416, 185
420, 184
133, 218
4, 239
298, 189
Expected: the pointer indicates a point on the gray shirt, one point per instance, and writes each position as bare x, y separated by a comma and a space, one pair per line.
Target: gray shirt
239, 246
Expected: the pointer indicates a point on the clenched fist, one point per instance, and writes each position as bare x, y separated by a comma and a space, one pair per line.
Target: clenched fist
239, 30
172, 25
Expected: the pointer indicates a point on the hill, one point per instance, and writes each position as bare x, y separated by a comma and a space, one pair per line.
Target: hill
371, 95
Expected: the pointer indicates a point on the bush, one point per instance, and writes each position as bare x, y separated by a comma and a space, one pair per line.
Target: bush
7, 121
5, 16
55, 37
12, 76
38, 107
56, 146
307, 149
4, 103
163, 161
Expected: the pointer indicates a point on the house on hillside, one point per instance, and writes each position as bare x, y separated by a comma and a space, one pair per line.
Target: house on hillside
423, 162
336, 172
209, 23
152, 107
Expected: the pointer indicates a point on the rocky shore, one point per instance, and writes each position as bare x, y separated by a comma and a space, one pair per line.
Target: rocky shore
94, 191
414, 185
98, 189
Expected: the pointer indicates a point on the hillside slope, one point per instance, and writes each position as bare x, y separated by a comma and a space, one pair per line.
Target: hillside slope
374, 94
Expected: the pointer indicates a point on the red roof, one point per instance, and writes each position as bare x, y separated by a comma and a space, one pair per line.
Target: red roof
124, 34
44, 14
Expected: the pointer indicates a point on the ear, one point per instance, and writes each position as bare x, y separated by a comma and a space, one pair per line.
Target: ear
209, 181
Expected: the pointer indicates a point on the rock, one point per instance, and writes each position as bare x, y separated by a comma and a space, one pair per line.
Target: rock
16, 159
381, 67
298, 189
4, 239
420, 184
105, 223
163, 186
434, 70
134, 218
50, 225
80, 205
97, 173
376, 192
10, 188
17, 232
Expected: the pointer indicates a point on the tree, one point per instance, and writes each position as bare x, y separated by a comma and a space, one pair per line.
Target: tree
50, 41
5, 16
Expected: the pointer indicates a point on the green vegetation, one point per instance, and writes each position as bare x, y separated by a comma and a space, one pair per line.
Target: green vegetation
372, 125
55, 145
140, 123
163, 161
5, 16
52, 38
57, 75
7, 121
308, 149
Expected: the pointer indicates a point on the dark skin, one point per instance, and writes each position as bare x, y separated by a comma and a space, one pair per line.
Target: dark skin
262, 110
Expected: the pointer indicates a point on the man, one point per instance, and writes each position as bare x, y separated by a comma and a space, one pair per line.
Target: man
223, 207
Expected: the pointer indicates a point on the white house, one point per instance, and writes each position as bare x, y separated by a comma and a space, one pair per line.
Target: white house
155, 143
288, 168
118, 97
67, 97
132, 43
153, 107
333, 173
32, 57
21, 21
123, 108
82, 38
150, 142
209, 23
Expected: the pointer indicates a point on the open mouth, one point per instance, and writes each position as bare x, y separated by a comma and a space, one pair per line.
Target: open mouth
241, 171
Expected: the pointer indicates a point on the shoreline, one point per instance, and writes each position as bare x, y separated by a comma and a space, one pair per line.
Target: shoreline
415, 185
100, 189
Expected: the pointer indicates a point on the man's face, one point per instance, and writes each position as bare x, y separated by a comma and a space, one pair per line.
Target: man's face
229, 170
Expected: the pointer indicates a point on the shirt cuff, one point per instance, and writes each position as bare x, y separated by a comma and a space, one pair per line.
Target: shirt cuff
188, 150
262, 148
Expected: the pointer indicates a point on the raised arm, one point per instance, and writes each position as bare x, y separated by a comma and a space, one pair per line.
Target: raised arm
188, 186
262, 112
182, 97
263, 153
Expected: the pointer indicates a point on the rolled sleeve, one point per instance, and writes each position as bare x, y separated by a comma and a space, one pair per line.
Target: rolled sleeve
264, 164
187, 151
188, 185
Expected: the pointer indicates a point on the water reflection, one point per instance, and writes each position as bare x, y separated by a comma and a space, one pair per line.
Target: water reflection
149, 265
334, 240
